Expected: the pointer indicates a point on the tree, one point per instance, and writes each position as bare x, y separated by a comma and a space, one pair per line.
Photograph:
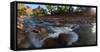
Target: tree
59, 9
22, 12
39, 11
29, 11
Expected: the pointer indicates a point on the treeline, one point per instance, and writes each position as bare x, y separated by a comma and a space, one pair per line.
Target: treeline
50, 10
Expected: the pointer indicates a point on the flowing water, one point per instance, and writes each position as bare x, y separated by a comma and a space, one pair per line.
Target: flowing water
80, 34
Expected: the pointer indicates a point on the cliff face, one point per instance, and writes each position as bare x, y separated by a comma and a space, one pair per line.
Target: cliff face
83, 17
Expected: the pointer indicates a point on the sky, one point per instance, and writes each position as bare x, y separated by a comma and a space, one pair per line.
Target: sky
33, 6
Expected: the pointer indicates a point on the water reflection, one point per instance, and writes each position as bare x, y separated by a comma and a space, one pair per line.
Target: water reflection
94, 27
